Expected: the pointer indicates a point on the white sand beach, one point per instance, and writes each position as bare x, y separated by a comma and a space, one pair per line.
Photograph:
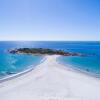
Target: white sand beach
51, 81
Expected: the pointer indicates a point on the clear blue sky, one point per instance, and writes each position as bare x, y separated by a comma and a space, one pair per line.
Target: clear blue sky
50, 20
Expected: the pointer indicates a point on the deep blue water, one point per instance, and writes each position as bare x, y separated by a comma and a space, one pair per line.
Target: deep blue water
17, 63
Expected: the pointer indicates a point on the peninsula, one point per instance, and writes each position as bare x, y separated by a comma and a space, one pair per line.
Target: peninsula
51, 80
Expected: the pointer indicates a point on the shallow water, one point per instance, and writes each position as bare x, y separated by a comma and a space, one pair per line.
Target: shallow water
88, 64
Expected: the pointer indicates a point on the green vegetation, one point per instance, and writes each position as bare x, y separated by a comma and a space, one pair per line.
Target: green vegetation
43, 51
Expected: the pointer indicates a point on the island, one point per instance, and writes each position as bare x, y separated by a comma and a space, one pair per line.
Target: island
43, 51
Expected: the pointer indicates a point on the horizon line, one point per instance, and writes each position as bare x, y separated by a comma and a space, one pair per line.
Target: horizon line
51, 40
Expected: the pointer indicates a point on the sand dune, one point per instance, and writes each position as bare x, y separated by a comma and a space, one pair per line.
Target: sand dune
51, 81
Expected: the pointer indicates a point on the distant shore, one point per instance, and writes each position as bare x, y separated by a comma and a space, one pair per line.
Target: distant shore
51, 80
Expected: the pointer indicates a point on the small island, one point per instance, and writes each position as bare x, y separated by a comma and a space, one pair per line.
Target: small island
43, 51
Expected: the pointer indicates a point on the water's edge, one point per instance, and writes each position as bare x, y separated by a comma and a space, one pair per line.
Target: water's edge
29, 69
79, 70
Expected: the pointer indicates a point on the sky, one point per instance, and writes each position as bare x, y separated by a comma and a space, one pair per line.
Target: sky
50, 20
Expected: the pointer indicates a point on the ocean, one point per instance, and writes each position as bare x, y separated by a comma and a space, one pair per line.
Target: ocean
14, 63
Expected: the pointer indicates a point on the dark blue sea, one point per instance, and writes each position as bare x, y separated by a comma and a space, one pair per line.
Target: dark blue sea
14, 63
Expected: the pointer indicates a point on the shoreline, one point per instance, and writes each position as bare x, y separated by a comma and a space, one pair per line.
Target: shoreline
78, 70
51, 81
13, 76
65, 66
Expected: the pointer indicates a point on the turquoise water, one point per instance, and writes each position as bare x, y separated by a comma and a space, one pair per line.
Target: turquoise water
15, 63
10, 63
88, 64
